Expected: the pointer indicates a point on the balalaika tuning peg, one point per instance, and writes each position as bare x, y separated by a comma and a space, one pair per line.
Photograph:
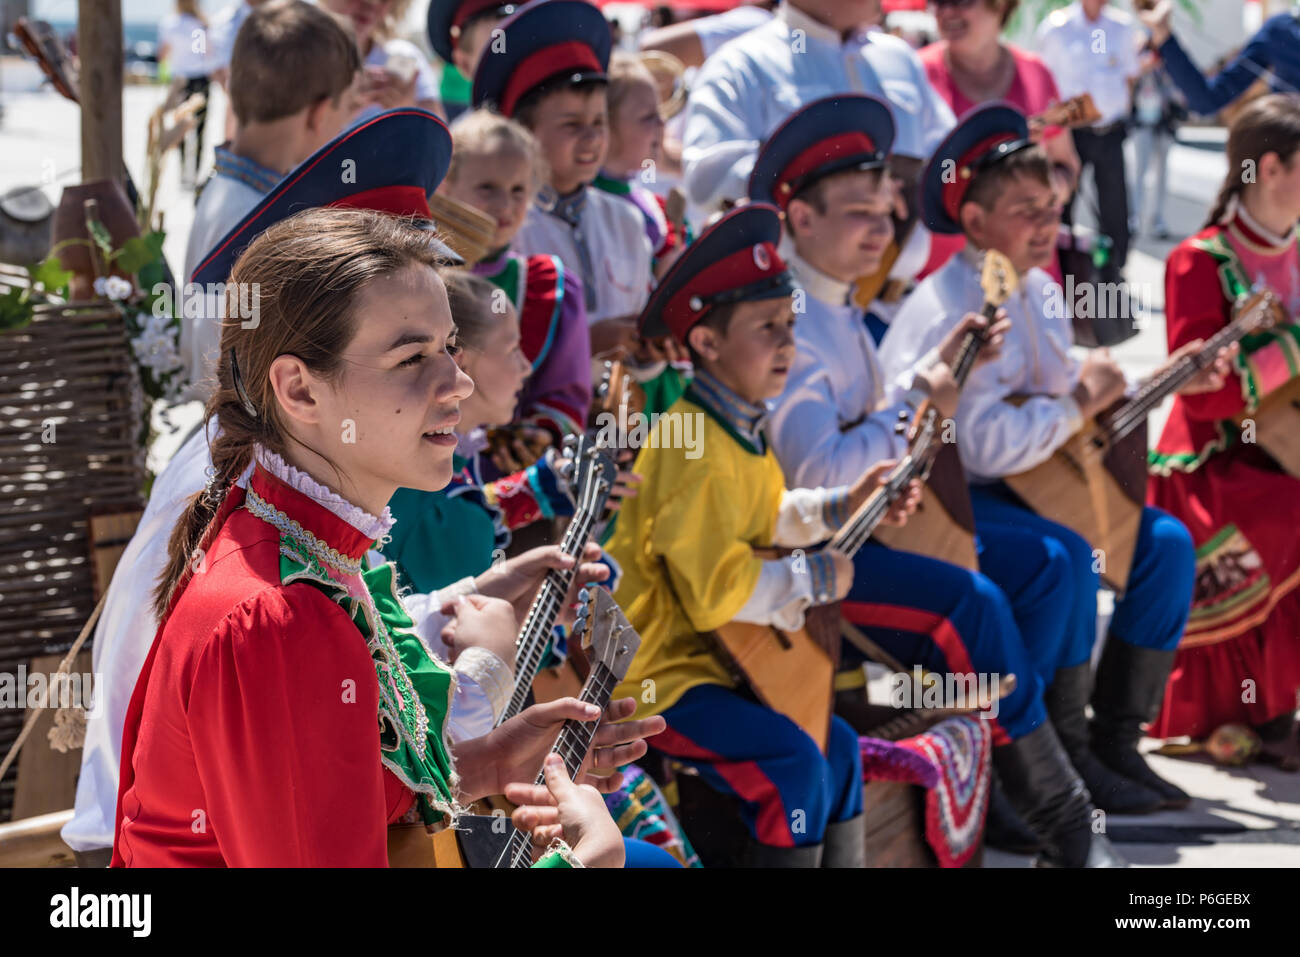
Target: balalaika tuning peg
583, 615
570, 442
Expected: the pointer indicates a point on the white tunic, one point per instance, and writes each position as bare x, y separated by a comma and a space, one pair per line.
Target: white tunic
614, 231
994, 437
836, 381
1092, 56
752, 84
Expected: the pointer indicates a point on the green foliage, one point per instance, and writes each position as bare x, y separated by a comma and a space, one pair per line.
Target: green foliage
50, 275
140, 251
15, 309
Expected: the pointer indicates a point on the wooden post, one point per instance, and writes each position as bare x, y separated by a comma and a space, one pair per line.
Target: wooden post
99, 44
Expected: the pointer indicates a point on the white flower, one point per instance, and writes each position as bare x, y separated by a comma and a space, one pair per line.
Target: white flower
117, 288
155, 346
113, 287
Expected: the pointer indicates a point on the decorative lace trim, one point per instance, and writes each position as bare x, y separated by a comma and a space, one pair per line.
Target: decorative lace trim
368, 525
286, 526
558, 846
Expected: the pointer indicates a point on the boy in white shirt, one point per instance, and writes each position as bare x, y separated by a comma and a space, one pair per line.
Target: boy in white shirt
836, 419
549, 73
990, 182
279, 125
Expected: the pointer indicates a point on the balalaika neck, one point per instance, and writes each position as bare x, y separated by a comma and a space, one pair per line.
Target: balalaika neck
916, 465
572, 745
971, 344
1123, 420
536, 632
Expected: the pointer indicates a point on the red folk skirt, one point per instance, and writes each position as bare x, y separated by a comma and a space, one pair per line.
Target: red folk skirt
1239, 660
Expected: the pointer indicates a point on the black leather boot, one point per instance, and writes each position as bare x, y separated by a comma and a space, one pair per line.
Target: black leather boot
1052, 799
765, 855
846, 843
1003, 828
1110, 791
1130, 686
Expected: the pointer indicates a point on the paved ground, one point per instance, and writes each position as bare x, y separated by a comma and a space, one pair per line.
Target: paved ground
1242, 817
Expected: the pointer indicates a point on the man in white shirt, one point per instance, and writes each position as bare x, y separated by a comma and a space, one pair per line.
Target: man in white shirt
1091, 47
811, 49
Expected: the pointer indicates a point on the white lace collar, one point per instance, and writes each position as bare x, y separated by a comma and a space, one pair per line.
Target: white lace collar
368, 525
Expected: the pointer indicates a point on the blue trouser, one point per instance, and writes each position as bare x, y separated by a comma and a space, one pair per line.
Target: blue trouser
948, 620
1035, 573
1155, 605
789, 790
644, 854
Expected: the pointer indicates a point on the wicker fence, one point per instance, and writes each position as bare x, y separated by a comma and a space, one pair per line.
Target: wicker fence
70, 418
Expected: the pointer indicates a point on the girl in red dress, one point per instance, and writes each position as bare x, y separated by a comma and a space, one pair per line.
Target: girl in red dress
287, 713
1239, 661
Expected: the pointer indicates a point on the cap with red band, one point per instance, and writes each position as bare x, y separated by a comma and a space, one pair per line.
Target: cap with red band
542, 42
827, 136
986, 136
576, 59
735, 260
447, 17
400, 158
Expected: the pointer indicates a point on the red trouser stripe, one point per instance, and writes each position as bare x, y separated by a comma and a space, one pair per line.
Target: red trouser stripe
746, 779
919, 621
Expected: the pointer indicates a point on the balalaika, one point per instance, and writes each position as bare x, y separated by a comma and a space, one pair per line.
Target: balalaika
610, 643
1095, 484
943, 526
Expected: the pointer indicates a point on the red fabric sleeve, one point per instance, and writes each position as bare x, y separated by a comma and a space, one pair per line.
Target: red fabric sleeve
282, 715
1196, 308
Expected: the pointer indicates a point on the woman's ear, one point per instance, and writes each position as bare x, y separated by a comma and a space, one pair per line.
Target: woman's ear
1268, 167
295, 389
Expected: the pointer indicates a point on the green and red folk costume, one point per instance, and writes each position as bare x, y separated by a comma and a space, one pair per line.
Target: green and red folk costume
1237, 502
287, 711
553, 335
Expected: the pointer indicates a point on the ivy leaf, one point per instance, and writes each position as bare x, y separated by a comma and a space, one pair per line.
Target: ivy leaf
16, 310
139, 251
50, 275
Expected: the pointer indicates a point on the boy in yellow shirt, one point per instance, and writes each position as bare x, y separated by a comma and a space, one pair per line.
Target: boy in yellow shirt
686, 544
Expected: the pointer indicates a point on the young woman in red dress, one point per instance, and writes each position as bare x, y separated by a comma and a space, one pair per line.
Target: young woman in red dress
1239, 661
287, 713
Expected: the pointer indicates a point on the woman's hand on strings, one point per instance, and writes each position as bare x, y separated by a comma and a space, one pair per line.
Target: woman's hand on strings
514, 751
574, 812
